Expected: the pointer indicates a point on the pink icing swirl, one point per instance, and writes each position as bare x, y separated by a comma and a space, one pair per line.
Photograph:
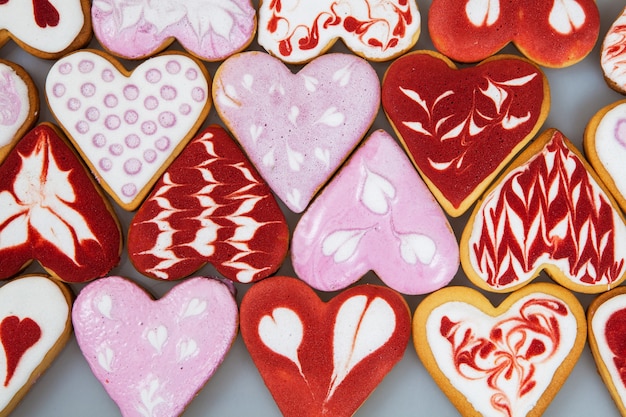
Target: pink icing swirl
10, 103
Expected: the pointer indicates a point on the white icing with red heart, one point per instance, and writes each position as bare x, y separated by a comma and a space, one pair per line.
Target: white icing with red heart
210, 29
14, 103
367, 219
151, 356
49, 26
296, 128
128, 128
34, 318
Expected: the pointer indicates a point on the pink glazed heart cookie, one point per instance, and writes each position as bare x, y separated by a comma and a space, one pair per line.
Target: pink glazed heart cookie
298, 31
128, 126
323, 359
376, 214
209, 206
153, 357
208, 29
462, 126
605, 147
549, 212
296, 128
46, 28
19, 105
507, 361
35, 325
606, 319
51, 210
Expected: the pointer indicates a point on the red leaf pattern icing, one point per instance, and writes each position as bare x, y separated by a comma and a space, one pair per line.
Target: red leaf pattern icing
549, 210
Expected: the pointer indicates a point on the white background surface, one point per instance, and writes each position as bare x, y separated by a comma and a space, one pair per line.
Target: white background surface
69, 389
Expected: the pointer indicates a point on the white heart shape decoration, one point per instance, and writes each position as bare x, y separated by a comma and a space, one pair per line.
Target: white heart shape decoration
128, 126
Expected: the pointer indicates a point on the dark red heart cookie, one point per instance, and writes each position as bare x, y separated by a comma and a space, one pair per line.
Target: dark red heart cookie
51, 210
210, 206
461, 126
321, 358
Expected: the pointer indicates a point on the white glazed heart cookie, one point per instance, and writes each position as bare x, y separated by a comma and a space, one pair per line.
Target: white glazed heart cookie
128, 126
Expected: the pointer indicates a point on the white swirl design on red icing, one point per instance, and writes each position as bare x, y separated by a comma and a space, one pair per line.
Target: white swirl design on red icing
613, 53
566, 16
503, 364
482, 12
549, 210
298, 31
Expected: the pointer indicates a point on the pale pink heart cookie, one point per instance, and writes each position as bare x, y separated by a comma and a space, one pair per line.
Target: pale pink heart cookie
296, 128
298, 31
34, 327
613, 54
19, 105
507, 361
153, 357
128, 126
211, 30
46, 28
376, 214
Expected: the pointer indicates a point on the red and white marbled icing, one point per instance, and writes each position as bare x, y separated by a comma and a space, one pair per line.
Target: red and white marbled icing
297, 31
296, 128
613, 53
128, 128
376, 214
503, 364
211, 30
549, 210
152, 357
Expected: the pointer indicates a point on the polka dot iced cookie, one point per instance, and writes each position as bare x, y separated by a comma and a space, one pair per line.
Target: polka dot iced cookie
128, 126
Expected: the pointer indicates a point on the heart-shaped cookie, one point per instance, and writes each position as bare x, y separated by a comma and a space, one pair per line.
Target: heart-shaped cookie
19, 105
209, 206
605, 147
321, 358
548, 212
555, 33
606, 319
509, 360
461, 126
208, 29
47, 28
34, 327
296, 128
51, 210
128, 126
297, 32
152, 357
365, 219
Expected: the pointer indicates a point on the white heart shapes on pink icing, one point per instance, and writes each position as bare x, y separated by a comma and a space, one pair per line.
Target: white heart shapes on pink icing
128, 128
151, 356
296, 128
376, 214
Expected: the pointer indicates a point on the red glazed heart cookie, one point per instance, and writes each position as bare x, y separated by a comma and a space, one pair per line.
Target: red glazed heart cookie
45, 28
321, 358
19, 105
34, 327
549, 211
153, 357
606, 318
461, 126
128, 126
507, 361
297, 32
209, 206
554, 33
51, 210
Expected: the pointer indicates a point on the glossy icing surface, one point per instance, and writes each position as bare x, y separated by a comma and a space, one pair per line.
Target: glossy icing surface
152, 357
300, 30
14, 103
321, 358
209, 206
211, 30
50, 210
376, 214
128, 127
296, 128
549, 210
613, 53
